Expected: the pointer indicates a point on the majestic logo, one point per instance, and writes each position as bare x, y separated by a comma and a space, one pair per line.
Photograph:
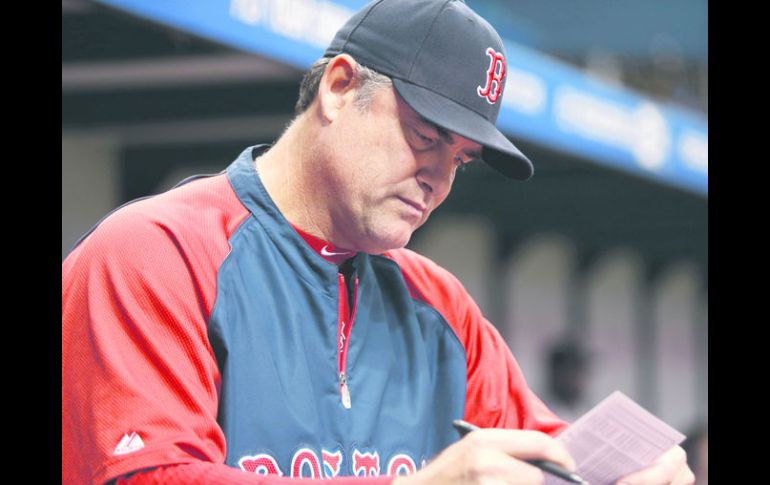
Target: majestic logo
129, 444
495, 75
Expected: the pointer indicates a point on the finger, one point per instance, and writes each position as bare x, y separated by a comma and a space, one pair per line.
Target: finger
685, 477
523, 444
659, 475
664, 471
490, 465
653, 475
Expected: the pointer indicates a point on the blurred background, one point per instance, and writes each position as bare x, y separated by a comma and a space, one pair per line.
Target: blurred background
595, 271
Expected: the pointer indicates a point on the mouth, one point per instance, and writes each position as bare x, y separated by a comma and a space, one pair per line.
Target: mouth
416, 207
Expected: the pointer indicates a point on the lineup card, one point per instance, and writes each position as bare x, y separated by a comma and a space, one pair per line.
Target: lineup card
615, 438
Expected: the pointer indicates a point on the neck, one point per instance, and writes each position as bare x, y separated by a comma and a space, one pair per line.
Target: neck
289, 171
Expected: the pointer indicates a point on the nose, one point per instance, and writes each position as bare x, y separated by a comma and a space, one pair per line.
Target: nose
436, 173
435, 180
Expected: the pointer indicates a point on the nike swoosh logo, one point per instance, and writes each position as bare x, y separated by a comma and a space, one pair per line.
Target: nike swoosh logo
324, 252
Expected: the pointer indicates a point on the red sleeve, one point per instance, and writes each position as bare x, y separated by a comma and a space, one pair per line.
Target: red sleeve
497, 394
139, 378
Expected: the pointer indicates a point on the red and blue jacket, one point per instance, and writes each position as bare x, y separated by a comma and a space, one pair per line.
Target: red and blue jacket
201, 331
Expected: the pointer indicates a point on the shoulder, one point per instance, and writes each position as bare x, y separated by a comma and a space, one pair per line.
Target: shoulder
175, 239
434, 285
497, 394
426, 279
195, 207
201, 210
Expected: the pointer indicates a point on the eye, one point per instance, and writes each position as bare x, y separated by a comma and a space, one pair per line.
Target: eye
419, 140
461, 163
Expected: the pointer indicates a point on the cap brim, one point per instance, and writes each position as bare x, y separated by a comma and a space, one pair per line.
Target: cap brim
498, 152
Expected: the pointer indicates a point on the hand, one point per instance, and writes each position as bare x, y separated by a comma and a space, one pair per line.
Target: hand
492, 456
670, 469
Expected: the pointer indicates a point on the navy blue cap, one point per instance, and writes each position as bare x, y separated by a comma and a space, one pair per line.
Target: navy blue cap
445, 61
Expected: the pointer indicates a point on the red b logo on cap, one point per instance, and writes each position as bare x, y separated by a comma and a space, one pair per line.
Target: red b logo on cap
495, 75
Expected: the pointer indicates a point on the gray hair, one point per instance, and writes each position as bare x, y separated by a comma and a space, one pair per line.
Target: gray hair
370, 82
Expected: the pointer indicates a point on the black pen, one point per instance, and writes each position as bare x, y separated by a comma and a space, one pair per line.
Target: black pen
463, 427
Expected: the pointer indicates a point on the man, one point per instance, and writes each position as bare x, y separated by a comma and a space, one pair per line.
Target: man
265, 321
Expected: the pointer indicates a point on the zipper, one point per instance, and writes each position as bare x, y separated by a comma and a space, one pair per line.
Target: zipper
344, 391
344, 327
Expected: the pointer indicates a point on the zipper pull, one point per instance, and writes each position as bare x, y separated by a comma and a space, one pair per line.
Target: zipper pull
344, 391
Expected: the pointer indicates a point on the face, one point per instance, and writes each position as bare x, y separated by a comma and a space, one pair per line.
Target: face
388, 170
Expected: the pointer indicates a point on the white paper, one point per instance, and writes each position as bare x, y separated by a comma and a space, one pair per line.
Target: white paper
615, 438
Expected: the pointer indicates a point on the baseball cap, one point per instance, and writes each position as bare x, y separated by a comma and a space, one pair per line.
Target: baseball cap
445, 61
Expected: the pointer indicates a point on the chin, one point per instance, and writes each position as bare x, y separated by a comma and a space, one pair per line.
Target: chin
388, 242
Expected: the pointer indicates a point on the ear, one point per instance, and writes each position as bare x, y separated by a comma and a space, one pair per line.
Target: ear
337, 87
